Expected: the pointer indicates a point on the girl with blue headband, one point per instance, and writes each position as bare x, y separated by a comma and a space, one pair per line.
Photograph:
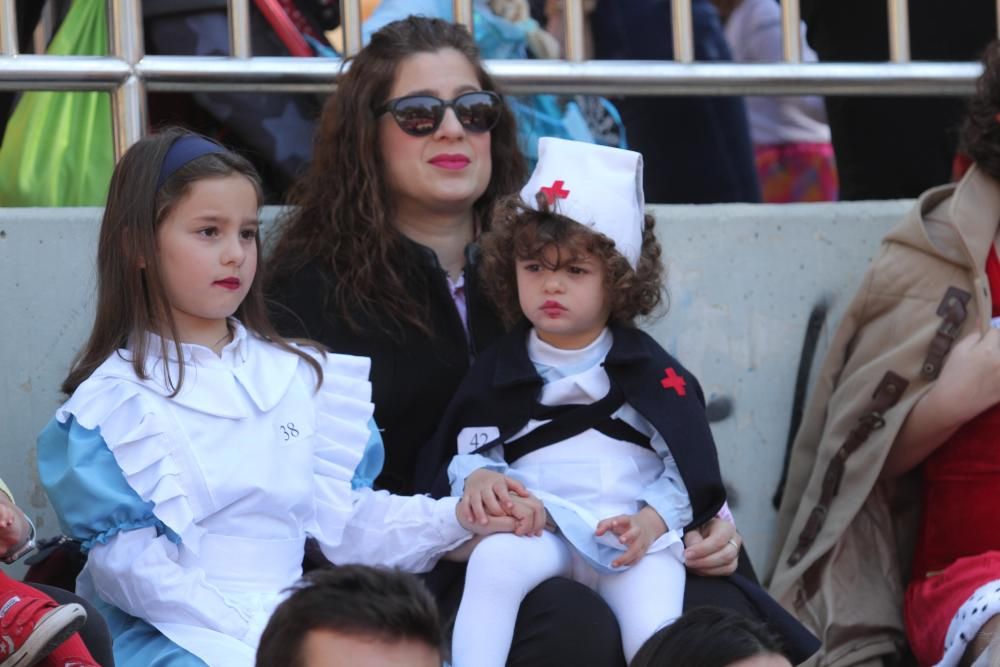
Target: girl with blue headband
198, 449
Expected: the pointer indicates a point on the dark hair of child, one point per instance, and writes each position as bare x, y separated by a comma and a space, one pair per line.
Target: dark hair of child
131, 298
519, 232
707, 637
373, 603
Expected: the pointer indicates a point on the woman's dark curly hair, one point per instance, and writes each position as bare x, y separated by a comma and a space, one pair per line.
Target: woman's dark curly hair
521, 232
980, 134
341, 210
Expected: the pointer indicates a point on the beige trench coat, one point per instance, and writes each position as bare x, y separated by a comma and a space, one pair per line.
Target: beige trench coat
847, 583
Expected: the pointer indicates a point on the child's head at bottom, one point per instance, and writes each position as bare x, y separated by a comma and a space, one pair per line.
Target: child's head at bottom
712, 637
578, 254
354, 616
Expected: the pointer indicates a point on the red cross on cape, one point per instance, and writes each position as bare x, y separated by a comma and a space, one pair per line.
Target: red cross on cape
673, 381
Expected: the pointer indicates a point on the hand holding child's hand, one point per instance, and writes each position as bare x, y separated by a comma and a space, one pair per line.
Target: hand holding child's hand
495, 503
638, 531
487, 493
529, 515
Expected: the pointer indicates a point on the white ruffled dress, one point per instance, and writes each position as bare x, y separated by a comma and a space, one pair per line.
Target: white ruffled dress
195, 508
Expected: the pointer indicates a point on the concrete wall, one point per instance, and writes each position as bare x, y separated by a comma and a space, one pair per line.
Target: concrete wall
742, 281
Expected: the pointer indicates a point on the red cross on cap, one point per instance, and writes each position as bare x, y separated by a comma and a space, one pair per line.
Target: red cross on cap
555, 191
673, 381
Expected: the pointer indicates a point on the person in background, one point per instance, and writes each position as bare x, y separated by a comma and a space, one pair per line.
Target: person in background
792, 148
34, 629
712, 637
354, 616
697, 149
888, 538
895, 146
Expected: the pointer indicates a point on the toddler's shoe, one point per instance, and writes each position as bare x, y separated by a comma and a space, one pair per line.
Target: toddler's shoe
31, 628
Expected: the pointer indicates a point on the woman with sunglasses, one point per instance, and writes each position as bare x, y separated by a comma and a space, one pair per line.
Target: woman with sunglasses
377, 257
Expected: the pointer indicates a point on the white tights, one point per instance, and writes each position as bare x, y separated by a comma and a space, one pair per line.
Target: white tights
503, 568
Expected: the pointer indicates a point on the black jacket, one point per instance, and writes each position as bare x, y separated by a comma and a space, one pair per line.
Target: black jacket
503, 387
414, 375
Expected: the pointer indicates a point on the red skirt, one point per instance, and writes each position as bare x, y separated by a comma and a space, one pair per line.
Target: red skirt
932, 603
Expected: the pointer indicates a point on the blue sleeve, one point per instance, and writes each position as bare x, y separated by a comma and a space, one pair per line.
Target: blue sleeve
87, 488
371, 461
463, 465
667, 494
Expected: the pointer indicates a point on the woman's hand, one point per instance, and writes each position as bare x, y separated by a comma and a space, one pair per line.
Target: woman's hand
713, 550
14, 529
638, 531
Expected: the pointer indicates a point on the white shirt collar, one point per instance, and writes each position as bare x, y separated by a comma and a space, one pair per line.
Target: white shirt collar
568, 362
233, 355
263, 371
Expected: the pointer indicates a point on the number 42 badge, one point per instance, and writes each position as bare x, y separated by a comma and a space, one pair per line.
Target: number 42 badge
472, 438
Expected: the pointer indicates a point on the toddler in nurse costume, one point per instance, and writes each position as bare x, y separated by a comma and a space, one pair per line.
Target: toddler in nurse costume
198, 449
584, 409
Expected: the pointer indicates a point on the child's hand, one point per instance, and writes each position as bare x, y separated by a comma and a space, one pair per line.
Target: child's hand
638, 531
14, 529
494, 524
487, 493
529, 514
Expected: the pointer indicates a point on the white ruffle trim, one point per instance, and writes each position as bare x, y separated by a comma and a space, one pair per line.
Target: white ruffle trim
344, 411
141, 442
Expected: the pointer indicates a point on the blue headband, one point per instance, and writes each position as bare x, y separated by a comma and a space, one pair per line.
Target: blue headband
183, 150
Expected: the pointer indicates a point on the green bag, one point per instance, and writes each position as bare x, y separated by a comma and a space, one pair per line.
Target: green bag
58, 149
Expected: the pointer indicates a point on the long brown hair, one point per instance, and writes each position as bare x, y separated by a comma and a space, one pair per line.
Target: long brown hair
341, 213
131, 299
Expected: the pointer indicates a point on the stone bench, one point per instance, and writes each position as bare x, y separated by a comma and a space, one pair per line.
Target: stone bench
742, 282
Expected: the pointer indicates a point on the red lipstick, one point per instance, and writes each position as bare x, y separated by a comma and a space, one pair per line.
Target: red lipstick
450, 161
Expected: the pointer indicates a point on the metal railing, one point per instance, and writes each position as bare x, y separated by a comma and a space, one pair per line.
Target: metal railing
128, 73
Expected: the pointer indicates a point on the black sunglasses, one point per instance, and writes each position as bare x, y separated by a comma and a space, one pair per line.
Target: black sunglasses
421, 115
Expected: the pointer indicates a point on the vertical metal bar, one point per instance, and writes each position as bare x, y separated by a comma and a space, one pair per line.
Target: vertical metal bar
350, 18
998, 17
463, 13
44, 29
574, 17
791, 32
680, 12
128, 101
239, 28
899, 31
8, 28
